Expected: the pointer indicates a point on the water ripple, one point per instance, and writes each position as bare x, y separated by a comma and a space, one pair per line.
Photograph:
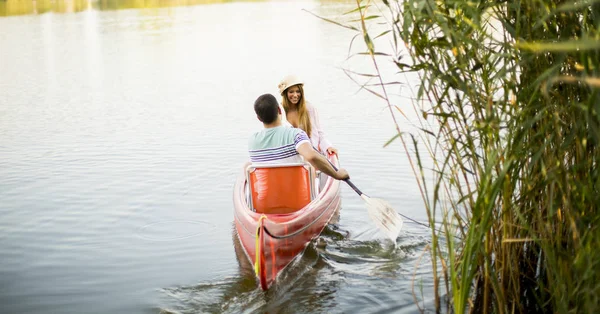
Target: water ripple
170, 230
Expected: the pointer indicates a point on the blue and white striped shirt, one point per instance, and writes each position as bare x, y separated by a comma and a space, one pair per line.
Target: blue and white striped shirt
276, 145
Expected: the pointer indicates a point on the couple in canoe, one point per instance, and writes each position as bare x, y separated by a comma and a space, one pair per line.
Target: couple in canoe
280, 202
281, 143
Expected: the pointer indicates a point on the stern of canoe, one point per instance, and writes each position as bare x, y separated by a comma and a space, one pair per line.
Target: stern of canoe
272, 242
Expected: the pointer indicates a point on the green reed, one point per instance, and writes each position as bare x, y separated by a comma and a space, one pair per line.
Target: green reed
509, 112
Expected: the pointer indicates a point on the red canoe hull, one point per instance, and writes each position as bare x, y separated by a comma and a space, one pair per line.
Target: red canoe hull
272, 241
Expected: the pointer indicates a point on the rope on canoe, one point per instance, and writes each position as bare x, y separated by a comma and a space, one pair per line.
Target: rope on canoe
258, 246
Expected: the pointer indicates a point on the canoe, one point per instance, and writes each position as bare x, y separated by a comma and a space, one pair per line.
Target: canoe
278, 210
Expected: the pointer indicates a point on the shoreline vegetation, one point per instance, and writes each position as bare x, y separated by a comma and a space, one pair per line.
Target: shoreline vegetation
509, 112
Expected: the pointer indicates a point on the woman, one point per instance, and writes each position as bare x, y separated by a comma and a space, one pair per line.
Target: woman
301, 114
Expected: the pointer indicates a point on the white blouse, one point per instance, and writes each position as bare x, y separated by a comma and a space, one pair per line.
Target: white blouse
317, 136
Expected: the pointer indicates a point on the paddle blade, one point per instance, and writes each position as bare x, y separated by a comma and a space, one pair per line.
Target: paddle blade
384, 216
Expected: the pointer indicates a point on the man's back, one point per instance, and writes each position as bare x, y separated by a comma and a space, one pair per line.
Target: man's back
276, 145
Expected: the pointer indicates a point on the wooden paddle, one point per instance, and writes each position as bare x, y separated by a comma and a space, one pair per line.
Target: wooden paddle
380, 211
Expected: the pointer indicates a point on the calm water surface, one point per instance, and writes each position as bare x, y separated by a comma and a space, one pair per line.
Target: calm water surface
122, 133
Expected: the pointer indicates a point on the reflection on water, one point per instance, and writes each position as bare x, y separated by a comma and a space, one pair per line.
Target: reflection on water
144, 4
23, 7
310, 284
242, 294
230, 295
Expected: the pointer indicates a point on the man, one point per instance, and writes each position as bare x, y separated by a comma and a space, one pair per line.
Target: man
282, 144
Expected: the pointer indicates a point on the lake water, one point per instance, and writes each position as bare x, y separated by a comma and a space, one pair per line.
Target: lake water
122, 132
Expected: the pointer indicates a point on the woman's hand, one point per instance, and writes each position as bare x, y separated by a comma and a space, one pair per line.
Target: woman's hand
332, 150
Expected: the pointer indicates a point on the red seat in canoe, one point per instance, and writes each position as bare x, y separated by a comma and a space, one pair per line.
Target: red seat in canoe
280, 188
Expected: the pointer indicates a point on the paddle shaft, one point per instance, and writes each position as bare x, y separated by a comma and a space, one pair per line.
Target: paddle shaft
347, 180
361, 194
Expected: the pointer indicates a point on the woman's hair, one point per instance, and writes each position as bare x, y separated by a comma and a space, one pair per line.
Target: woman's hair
303, 117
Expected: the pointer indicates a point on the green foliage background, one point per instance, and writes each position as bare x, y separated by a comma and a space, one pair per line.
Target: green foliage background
512, 88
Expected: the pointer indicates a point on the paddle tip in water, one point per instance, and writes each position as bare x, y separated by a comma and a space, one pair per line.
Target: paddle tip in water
384, 216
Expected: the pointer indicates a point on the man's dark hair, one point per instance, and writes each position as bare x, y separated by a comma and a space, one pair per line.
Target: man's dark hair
266, 108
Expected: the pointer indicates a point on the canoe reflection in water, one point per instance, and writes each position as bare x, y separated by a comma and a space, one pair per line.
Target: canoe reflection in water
308, 285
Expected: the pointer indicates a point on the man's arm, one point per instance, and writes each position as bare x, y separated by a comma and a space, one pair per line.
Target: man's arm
320, 162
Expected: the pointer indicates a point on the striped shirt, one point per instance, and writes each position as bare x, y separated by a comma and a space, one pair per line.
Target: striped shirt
276, 145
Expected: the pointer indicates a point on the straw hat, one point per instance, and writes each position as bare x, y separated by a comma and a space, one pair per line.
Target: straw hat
289, 81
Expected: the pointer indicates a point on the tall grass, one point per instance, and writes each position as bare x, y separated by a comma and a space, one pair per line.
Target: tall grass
510, 114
